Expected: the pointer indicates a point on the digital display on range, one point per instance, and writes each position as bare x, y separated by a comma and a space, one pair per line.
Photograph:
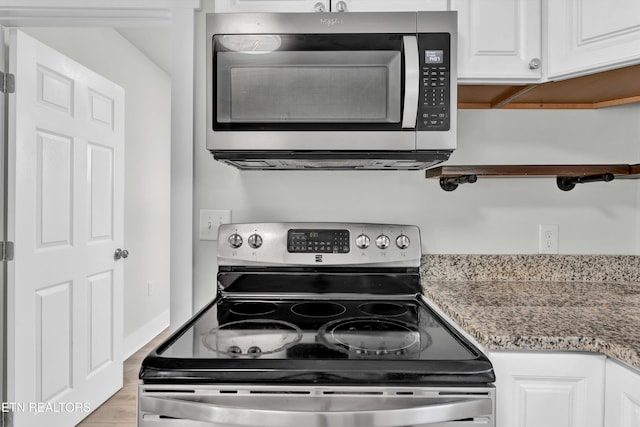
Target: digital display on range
318, 241
434, 56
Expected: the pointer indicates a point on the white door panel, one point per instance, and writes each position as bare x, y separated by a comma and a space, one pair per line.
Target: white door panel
388, 6
585, 37
2, 264
497, 40
65, 213
235, 6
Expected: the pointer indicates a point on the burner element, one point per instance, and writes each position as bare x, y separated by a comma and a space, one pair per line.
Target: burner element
318, 309
364, 337
252, 338
384, 309
253, 308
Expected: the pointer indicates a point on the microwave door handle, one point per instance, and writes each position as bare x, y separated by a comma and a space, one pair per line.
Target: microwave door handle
411, 81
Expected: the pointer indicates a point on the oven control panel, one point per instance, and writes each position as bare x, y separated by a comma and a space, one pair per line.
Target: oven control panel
346, 244
318, 241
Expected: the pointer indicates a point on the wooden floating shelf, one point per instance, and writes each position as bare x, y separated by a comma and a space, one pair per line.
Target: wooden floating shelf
599, 90
523, 171
567, 176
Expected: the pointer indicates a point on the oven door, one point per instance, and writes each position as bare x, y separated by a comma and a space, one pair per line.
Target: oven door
314, 407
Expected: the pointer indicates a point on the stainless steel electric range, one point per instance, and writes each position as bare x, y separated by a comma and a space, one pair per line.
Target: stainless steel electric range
317, 324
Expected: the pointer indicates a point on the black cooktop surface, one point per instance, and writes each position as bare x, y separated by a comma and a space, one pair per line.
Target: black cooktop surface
259, 328
317, 338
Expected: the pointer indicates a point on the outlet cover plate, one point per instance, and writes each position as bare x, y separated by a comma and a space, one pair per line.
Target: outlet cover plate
548, 238
210, 220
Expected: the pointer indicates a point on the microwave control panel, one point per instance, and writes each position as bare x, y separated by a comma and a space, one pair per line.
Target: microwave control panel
435, 82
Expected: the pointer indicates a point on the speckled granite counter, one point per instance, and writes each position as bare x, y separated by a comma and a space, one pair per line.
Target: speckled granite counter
516, 314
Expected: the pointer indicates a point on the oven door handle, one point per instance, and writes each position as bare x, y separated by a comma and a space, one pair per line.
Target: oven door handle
411, 81
247, 416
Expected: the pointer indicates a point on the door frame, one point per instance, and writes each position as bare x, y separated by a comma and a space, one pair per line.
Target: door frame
180, 15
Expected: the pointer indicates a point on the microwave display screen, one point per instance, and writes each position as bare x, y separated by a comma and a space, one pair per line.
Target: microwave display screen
434, 56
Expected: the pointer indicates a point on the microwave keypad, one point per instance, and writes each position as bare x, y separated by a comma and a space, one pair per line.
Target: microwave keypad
435, 82
435, 98
434, 90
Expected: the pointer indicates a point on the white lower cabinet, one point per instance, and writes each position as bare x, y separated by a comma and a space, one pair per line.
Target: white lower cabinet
622, 396
549, 389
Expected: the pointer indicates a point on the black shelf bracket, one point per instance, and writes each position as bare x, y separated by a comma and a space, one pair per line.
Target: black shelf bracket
451, 183
567, 183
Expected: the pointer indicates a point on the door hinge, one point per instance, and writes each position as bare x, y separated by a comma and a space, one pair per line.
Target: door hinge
7, 82
6, 251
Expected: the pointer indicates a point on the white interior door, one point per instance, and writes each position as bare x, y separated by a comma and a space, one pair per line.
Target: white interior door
65, 216
3, 312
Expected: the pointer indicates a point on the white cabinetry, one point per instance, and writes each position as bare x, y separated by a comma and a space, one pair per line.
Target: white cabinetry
498, 40
622, 396
387, 5
228, 6
586, 36
549, 389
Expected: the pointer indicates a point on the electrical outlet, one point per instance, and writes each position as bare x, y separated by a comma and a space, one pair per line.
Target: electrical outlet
548, 238
210, 220
150, 289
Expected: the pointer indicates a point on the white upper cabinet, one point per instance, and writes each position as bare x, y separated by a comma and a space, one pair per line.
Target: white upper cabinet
498, 41
549, 389
229, 6
387, 5
622, 398
587, 36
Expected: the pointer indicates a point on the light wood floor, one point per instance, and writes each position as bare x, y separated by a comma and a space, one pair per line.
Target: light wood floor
120, 410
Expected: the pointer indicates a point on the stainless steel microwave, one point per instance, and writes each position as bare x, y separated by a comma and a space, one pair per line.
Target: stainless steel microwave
331, 90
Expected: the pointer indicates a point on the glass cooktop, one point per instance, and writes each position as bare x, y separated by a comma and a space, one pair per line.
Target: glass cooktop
320, 340
250, 329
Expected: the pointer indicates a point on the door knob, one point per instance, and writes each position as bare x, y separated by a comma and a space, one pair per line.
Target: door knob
535, 63
120, 253
319, 7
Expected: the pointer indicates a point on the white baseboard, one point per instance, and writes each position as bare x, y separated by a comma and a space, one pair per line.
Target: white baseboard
140, 337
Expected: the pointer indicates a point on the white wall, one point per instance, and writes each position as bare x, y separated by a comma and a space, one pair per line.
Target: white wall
492, 216
147, 162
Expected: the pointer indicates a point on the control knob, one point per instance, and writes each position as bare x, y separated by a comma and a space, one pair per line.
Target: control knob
235, 240
402, 241
362, 241
382, 241
255, 241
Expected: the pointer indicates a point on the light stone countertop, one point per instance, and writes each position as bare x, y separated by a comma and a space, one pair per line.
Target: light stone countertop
602, 317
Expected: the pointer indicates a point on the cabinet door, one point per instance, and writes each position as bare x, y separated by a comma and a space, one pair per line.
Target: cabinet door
228, 6
498, 40
586, 36
548, 389
387, 5
622, 398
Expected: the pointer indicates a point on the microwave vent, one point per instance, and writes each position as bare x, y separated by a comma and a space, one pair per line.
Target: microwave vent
349, 163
